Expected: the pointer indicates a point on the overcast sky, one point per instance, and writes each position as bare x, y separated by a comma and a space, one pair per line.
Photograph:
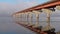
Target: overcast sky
11, 6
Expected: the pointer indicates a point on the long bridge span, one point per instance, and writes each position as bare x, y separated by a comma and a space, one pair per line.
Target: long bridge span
47, 8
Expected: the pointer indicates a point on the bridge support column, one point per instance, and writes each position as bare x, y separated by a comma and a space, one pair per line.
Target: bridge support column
27, 17
48, 20
37, 20
31, 17
22, 17
37, 12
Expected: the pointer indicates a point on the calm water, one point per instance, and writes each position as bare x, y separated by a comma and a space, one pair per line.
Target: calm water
8, 26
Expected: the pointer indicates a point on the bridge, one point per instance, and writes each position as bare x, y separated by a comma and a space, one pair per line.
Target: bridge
48, 8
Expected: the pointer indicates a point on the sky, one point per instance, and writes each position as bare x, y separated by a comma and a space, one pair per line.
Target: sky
11, 6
